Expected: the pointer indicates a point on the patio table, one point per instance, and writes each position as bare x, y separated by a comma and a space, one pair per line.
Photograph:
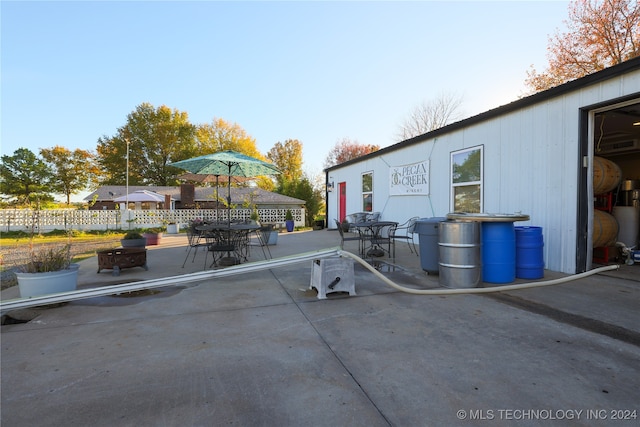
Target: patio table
372, 232
230, 239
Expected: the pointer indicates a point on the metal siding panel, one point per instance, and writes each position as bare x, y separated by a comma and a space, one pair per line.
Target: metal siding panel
530, 164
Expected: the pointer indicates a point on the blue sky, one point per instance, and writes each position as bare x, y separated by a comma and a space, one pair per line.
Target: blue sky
313, 71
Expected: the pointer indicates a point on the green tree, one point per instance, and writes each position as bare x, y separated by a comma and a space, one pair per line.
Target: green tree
72, 171
600, 33
24, 177
288, 159
304, 190
152, 138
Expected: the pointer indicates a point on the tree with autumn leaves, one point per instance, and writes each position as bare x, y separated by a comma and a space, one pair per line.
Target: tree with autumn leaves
150, 139
345, 150
600, 34
71, 171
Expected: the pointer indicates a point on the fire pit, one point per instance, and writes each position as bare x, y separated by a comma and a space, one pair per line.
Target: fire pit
117, 259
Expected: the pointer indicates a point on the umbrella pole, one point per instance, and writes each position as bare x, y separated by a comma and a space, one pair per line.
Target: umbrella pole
229, 197
217, 200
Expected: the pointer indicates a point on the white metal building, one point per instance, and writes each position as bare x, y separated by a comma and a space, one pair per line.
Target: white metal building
534, 156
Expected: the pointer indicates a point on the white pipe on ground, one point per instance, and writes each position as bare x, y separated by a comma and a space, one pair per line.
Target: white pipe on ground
477, 290
165, 281
265, 265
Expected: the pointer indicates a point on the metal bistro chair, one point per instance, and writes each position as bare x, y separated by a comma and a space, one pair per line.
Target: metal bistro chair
406, 231
355, 218
221, 243
372, 216
344, 238
261, 239
195, 240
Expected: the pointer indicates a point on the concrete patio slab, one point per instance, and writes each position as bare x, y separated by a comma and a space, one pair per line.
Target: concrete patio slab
261, 349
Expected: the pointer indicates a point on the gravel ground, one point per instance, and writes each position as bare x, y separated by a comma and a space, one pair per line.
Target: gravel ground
13, 256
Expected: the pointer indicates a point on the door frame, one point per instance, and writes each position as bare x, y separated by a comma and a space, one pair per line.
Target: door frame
342, 201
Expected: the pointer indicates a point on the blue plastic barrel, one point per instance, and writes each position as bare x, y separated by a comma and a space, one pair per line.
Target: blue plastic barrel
498, 252
529, 253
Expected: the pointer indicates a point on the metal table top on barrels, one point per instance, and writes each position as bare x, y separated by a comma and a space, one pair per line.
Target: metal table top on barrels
488, 249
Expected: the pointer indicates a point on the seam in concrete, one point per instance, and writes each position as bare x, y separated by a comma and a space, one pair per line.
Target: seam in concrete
597, 326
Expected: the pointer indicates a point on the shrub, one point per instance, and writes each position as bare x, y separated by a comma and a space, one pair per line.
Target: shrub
132, 235
48, 259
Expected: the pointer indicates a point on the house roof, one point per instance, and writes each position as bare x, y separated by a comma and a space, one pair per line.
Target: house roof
141, 196
614, 71
239, 195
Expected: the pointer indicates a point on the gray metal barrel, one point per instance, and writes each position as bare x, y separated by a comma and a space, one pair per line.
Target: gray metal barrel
427, 229
459, 250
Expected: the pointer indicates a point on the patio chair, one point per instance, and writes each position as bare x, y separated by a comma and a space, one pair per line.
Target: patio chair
195, 240
261, 239
221, 243
355, 218
344, 238
406, 231
372, 216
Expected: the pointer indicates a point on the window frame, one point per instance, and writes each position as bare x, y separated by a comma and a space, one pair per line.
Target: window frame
366, 195
458, 185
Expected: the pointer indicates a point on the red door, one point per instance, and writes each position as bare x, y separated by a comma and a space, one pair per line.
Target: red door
342, 200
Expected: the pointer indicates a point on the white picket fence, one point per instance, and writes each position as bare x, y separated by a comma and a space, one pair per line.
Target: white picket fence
71, 219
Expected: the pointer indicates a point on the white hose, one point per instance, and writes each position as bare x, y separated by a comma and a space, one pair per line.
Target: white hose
476, 290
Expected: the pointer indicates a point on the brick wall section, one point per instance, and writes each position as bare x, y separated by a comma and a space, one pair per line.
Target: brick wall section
187, 196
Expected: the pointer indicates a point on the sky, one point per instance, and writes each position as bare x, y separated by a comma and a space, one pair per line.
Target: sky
316, 71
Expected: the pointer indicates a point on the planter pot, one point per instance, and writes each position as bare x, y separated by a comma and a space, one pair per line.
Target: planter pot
173, 228
52, 282
290, 225
153, 238
273, 238
270, 237
318, 224
268, 234
133, 243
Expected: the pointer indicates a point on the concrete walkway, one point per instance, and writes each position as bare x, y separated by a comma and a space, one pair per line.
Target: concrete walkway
261, 349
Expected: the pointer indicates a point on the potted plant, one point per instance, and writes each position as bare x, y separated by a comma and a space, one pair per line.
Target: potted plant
133, 239
288, 220
153, 235
255, 218
318, 223
48, 271
173, 228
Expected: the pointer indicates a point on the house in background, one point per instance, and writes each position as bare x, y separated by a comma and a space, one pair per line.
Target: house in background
188, 196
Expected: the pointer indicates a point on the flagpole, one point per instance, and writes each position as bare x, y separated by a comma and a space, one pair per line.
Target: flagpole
127, 178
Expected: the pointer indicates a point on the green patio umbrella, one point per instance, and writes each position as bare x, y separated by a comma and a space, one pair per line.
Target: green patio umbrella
227, 163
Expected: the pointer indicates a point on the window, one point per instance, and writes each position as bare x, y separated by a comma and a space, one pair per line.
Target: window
367, 192
466, 180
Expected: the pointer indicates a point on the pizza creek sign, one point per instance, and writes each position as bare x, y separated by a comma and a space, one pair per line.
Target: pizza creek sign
409, 180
